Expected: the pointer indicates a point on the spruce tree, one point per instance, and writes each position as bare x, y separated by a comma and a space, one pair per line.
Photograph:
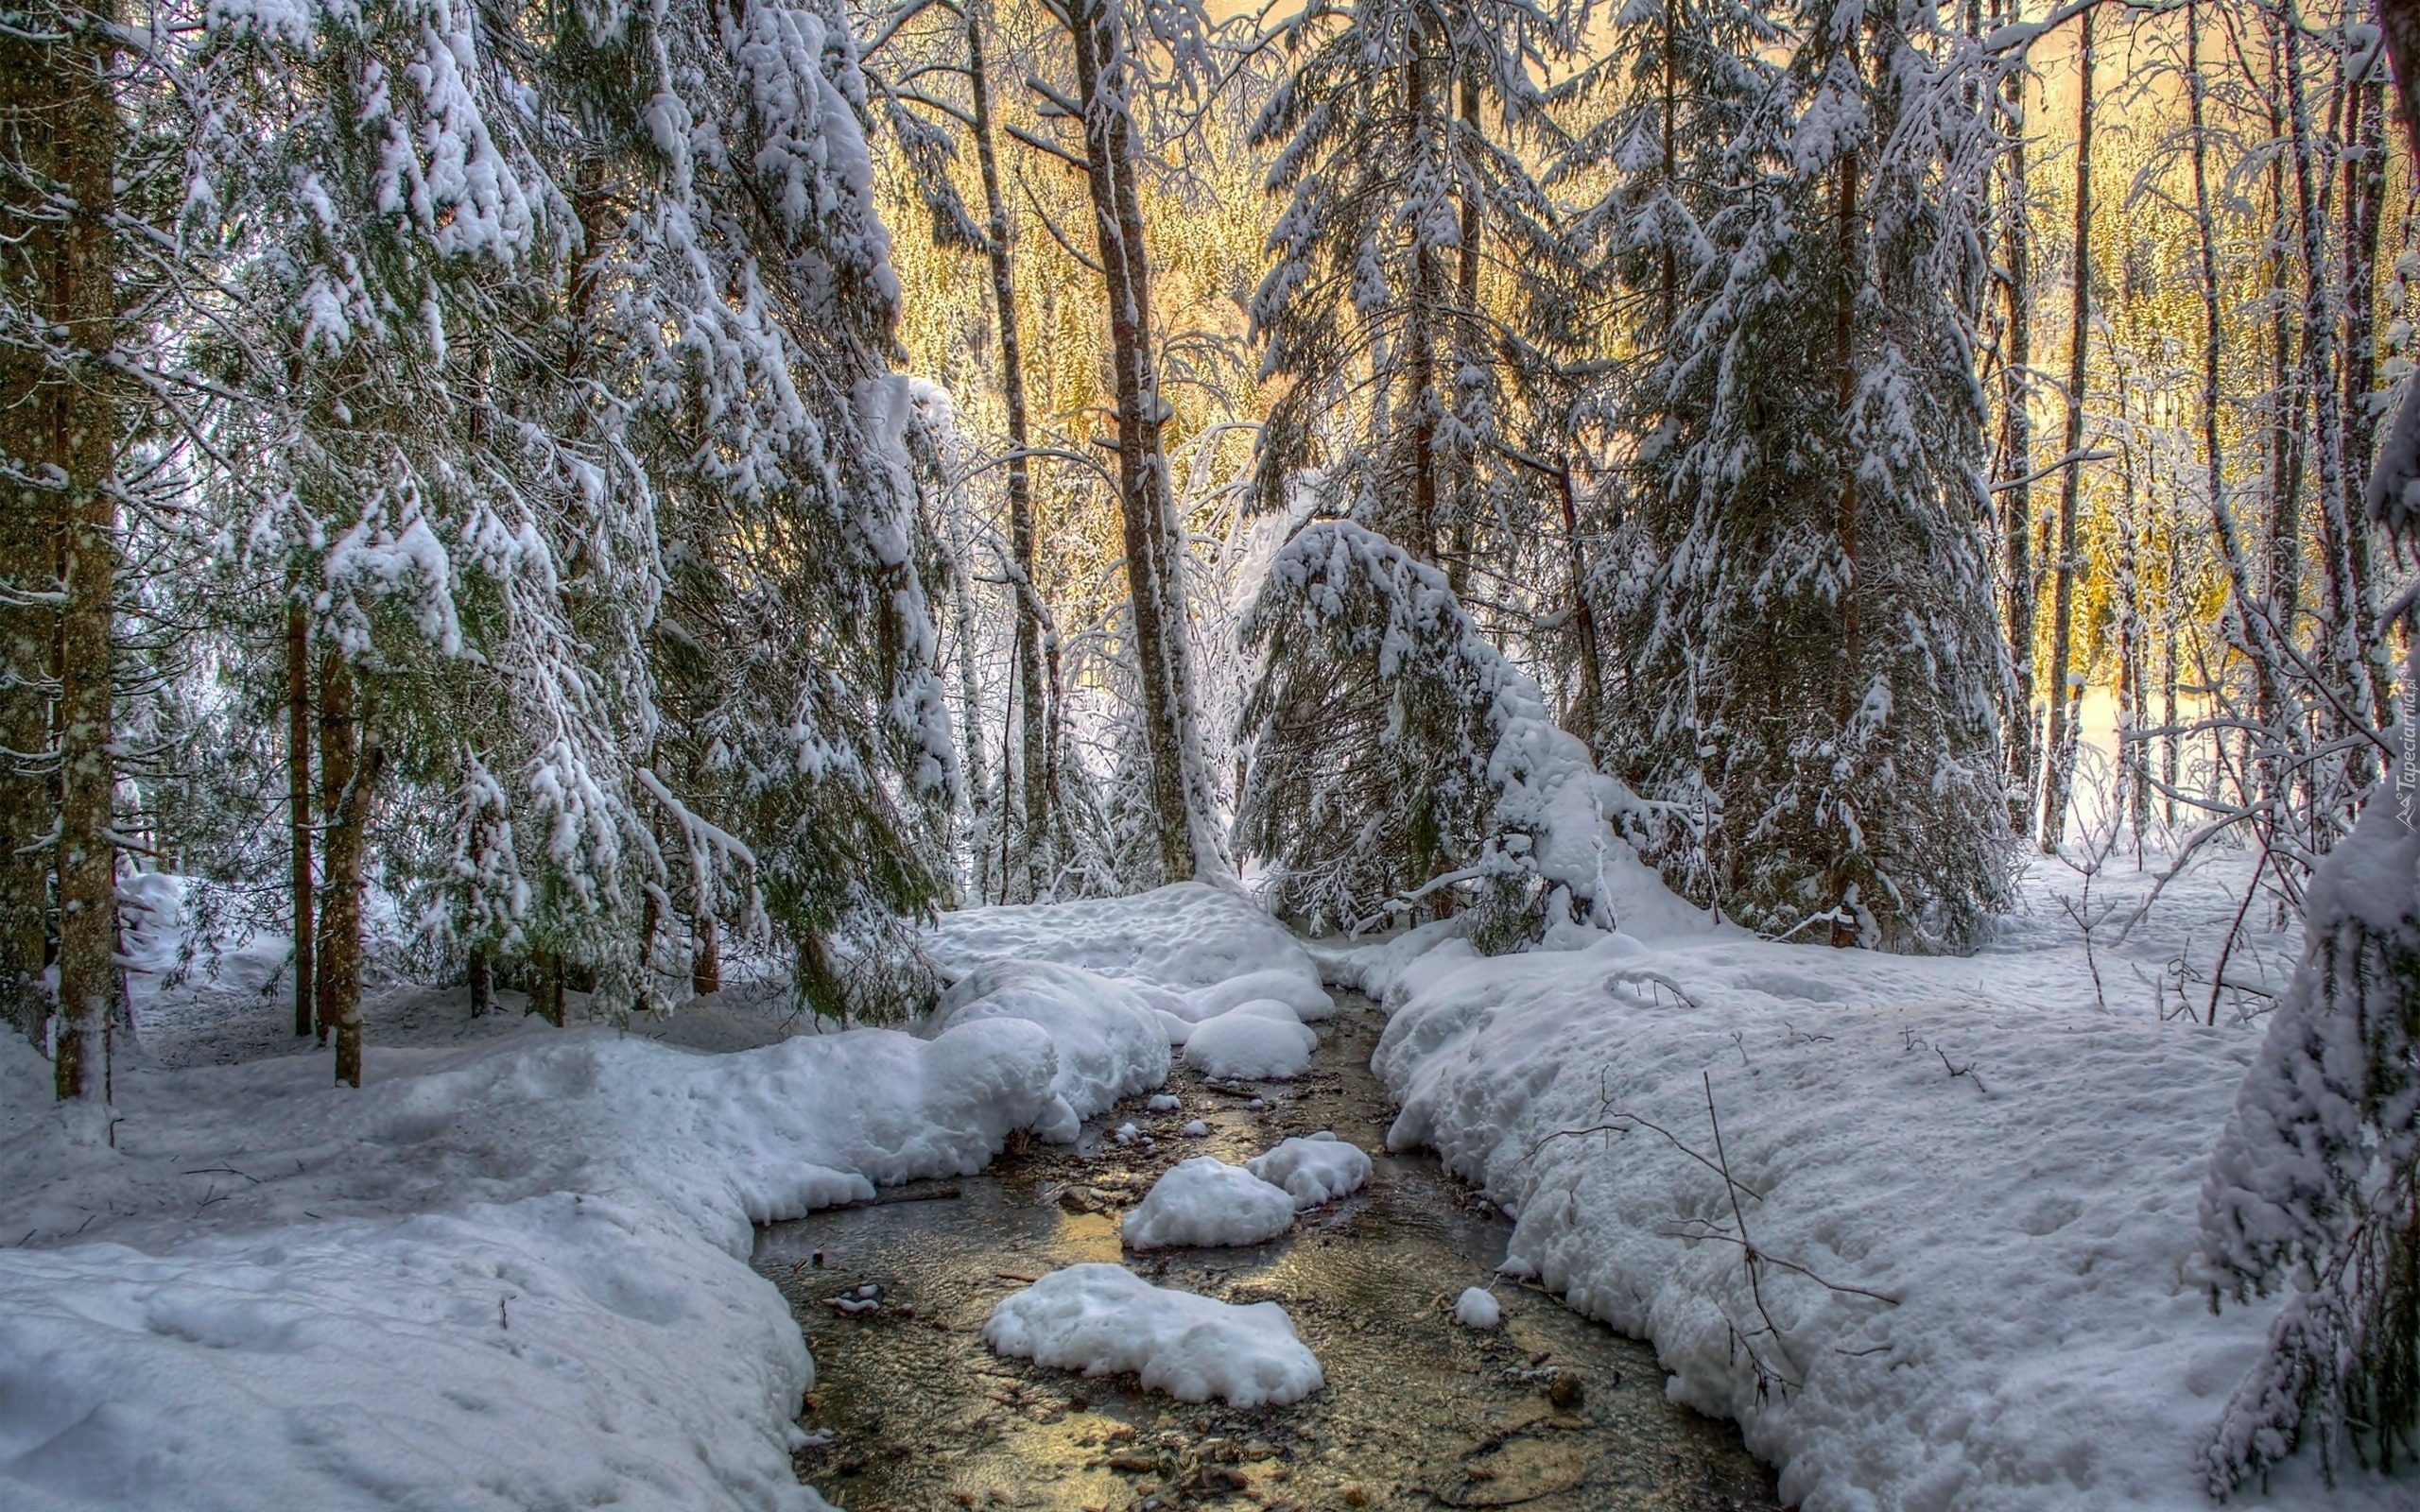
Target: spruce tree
1800, 590
2315, 1183
1405, 206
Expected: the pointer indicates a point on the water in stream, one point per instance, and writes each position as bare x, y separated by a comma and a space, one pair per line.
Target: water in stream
912, 1413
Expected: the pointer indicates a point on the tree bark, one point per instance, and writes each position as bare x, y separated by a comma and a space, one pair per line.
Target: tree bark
1420, 336
349, 773
2282, 538
1845, 379
81, 413
2349, 632
2016, 451
1154, 548
2252, 627
2060, 756
298, 806
705, 967
29, 539
1036, 732
2365, 203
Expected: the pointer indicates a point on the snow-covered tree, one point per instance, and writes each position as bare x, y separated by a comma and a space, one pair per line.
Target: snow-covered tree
1405, 208
574, 425
1398, 762
1801, 588
2315, 1183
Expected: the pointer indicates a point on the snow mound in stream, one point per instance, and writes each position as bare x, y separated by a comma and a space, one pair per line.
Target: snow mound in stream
1253, 1042
1104, 1321
1206, 1201
1315, 1169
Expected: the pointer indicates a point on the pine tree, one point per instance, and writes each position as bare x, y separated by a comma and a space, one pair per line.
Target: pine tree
76, 174
580, 438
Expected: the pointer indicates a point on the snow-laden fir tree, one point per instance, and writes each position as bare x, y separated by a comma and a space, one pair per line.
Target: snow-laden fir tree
1408, 232
577, 434
1800, 590
97, 109
1397, 759
2315, 1184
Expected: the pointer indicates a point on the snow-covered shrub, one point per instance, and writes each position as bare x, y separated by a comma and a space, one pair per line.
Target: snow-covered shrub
1395, 754
2316, 1180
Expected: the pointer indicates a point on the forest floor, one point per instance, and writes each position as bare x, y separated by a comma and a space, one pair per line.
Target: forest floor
528, 1267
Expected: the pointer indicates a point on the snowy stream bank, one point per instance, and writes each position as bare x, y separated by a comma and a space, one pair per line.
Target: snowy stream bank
911, 1411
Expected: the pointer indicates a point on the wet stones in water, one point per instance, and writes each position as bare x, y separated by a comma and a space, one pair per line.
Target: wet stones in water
1510, 1471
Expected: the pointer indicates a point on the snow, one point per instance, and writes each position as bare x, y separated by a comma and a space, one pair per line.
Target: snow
1478, 1308
1163, 1103
504, 1275
1190, 950
1110, 1046
1197, 1129
1206, 1201
1252, 1042
1994, 1174
1314, 1169
1103, 1319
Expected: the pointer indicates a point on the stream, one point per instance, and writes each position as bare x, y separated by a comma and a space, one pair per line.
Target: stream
911, 1412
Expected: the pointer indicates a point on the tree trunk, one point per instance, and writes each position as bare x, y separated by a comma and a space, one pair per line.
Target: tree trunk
1852, 689
80, 411
2252, 628
650, 919
297, 804
1420, 336
1584, 618
482, 981
550, 1001
2283, 533
2349, 632
2016, 453
1154, 560
2133, 773
2365, 203
999, 248
705, 968
2062, 697
986, 809
30, 541
348, 776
